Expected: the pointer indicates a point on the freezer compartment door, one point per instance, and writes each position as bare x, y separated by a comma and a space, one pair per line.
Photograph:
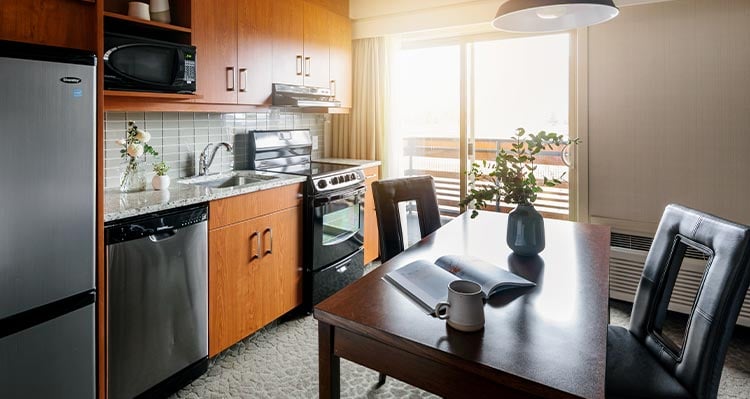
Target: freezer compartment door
47, 175
54, 359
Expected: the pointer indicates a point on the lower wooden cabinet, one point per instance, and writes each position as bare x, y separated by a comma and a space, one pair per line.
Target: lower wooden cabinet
255, 275
372, 250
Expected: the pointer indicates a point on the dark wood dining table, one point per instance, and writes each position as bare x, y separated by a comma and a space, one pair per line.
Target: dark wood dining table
546, 341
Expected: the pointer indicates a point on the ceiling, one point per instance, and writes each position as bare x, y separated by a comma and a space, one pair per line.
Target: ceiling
362, 9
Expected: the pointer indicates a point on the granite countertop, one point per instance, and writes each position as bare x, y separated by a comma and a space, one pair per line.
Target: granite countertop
364, 163
119, 205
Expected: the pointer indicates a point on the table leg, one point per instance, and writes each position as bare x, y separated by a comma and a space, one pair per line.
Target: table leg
328, 363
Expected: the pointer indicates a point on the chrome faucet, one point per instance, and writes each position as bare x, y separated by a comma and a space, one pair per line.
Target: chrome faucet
203, 165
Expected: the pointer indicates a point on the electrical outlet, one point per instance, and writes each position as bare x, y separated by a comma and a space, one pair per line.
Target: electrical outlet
315, 142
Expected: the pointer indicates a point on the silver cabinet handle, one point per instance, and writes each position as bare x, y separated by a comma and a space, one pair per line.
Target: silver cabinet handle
299, 65
307, 66
370, 177
255, 255
243, 79
270, 241
230, 78
333, 88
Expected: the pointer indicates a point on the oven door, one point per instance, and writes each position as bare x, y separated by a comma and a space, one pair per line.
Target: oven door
337, 225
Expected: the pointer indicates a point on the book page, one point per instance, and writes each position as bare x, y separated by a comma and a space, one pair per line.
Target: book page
423, 282
490, 277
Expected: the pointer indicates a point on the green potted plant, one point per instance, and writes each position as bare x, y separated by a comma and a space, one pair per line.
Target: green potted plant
512, 180
161, 180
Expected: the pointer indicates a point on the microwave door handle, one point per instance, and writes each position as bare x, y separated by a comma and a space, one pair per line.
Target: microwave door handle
180, 70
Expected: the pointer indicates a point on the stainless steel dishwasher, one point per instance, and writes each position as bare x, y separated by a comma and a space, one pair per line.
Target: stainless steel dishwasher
157, 302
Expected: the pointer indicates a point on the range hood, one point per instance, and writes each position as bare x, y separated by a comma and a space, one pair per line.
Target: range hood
303, 96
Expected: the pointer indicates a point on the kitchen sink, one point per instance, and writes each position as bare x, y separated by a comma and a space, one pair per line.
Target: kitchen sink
227, 180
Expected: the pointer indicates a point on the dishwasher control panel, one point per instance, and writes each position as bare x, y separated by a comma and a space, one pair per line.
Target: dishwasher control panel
154, 223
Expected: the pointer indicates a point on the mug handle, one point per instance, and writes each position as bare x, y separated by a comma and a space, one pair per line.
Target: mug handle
439, 308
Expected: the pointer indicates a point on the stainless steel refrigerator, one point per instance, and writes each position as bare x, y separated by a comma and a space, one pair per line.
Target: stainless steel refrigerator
47, 222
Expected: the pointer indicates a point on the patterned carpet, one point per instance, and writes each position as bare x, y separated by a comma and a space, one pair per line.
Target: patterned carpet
280, 361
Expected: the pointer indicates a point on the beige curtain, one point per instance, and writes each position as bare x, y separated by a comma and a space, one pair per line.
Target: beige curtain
361, 134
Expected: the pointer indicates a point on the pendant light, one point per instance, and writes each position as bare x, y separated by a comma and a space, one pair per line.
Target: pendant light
536, 16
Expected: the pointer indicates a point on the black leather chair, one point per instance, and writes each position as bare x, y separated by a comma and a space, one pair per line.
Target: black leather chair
387, 195
643, 364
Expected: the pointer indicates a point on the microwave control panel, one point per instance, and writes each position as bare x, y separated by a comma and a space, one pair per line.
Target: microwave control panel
189, 71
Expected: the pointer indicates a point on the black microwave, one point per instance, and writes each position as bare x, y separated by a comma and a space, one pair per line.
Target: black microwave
139, 64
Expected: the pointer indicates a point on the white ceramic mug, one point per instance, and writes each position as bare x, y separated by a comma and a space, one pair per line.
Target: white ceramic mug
139, 10
160, 11
464, 310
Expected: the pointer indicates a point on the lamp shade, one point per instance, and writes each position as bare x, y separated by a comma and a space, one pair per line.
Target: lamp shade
534, 16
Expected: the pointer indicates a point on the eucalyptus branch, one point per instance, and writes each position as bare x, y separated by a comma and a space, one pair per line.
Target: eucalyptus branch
513, 179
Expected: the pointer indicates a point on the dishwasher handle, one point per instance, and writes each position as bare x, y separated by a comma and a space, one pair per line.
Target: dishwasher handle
163, 234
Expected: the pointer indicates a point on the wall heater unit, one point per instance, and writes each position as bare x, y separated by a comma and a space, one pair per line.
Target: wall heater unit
628, 254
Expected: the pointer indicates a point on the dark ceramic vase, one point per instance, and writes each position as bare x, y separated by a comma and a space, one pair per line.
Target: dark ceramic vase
525, 231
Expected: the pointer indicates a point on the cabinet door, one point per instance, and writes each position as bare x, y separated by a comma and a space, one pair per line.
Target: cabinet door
317, 45
372, 250
215, 37
283, 238
255, 275
235, 275
61, 23
288, 41
254, 51
341, 59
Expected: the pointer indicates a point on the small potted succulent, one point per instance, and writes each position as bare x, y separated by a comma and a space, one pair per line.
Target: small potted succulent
512, 180
161, 180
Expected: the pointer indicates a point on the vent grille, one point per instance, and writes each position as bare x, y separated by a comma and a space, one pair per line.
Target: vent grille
640, 243
626, 266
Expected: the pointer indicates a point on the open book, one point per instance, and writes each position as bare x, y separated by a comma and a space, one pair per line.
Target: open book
427, 283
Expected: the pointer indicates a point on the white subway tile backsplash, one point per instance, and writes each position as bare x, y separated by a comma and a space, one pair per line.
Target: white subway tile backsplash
180, 137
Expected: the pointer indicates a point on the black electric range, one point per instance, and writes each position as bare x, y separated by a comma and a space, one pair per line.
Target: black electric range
333, 224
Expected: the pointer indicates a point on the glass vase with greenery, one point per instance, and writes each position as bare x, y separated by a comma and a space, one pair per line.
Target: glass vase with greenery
134, 146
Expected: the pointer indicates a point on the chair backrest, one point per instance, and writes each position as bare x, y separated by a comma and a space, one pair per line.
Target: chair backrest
387, 195
698, 364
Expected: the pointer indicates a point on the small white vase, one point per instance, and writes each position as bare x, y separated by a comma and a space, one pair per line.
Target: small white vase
160, 182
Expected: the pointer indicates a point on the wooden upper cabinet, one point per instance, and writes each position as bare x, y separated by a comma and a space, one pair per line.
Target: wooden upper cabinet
61, 23
215, 38
341, 59
288, 41
255, 51
317, 33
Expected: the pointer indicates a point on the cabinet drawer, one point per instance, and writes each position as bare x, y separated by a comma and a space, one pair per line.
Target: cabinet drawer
226, 211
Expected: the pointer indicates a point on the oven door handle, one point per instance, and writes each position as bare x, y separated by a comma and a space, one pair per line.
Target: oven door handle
324, 199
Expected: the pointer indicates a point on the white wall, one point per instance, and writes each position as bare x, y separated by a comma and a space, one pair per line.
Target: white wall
669, 111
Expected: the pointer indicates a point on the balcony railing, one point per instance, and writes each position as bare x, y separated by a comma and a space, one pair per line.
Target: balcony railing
439, 157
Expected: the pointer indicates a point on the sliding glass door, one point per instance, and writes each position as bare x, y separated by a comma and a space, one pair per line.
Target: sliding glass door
460, 100
524, 82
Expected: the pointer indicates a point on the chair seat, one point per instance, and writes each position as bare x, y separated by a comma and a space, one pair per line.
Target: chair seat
632, 372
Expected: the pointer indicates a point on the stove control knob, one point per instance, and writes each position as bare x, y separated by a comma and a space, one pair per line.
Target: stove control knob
346, 177
322, 184
354, 176
334, 180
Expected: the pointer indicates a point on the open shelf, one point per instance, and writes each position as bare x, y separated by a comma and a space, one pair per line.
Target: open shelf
150, 24
147, 94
